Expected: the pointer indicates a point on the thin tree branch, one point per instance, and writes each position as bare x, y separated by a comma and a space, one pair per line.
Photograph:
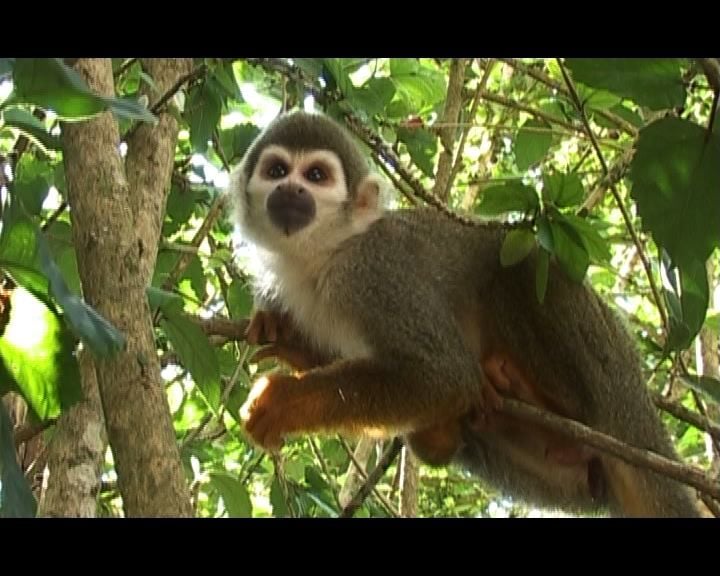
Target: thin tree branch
699, 421
630, 454
29, 431
473, 110
623, 210
451, 114
323, 465
373, 478
555, 85
361, 470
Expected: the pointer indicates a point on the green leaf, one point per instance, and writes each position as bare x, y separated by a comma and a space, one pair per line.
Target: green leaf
129, 108
32, 127
196, 354
531, 146
25, 255
235, 141
16, 498
570, 252
234, 495
338, 75
597, 99
18, 250
422, 146
60, 243
239, 300
277, 500
225, 78
541, 274
311, 66
194, 273
597, 247
676, 183
180, 204
374, 96
6, 66
516, 246
202, 113
562, 189
32, 193
50, 84
544, 234
418, 85
652, 82
94, 330
37, 352
623, 112
687, 312
168, 302
509, 197
705, 384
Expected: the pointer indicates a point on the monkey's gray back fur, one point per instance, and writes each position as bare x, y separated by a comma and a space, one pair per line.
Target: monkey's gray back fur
574, 346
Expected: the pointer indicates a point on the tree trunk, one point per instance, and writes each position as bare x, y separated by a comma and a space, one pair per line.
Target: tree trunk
76, 453
116, 225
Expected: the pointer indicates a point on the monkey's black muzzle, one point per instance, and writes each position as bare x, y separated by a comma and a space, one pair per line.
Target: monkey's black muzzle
290, 208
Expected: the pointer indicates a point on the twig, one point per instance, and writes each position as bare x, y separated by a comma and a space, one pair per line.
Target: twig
323, 465
712, 505
124, 67
27, 432
473, 110
711, 68
213, 213
555, 85
170, 92
616, 195
699, 421
373, 478
54, 216
361, 470
630, 454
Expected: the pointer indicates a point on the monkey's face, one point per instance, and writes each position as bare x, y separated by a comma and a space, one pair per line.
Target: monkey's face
293, 201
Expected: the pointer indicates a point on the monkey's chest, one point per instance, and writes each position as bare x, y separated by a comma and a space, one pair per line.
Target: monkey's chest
321, 321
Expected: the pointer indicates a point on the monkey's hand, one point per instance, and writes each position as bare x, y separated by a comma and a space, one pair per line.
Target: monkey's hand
267, 413
286, 343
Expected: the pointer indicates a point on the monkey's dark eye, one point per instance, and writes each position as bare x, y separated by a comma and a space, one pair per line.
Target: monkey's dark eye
315, 174
276, 171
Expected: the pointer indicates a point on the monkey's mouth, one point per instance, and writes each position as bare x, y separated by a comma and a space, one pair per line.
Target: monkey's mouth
290, 212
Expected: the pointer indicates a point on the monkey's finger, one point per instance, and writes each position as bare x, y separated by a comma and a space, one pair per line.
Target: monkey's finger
254, 329
495, 368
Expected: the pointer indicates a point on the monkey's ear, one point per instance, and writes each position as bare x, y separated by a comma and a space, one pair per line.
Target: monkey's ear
368, 193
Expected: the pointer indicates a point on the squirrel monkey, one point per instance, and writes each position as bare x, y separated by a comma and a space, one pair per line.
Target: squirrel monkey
405, 322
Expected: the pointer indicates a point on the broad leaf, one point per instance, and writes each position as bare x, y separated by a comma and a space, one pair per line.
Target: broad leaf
570, 251
516, 246
32, 127
195, 353
237, 140
16, 498
652, 82
234, 495
37, 352
531, 146
422, 146
239, 300
676, 183
509, 197
202, 112
562, 189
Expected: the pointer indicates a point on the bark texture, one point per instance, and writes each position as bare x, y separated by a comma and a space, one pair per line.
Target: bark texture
116, 226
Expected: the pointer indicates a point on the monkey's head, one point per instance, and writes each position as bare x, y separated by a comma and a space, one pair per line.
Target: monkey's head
303, 186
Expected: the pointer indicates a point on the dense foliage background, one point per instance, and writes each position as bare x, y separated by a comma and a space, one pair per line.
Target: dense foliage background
614, 165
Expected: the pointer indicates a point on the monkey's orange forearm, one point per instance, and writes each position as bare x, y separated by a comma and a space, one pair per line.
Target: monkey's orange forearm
349, 395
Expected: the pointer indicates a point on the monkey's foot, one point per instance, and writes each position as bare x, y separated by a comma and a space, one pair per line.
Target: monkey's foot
265, 413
